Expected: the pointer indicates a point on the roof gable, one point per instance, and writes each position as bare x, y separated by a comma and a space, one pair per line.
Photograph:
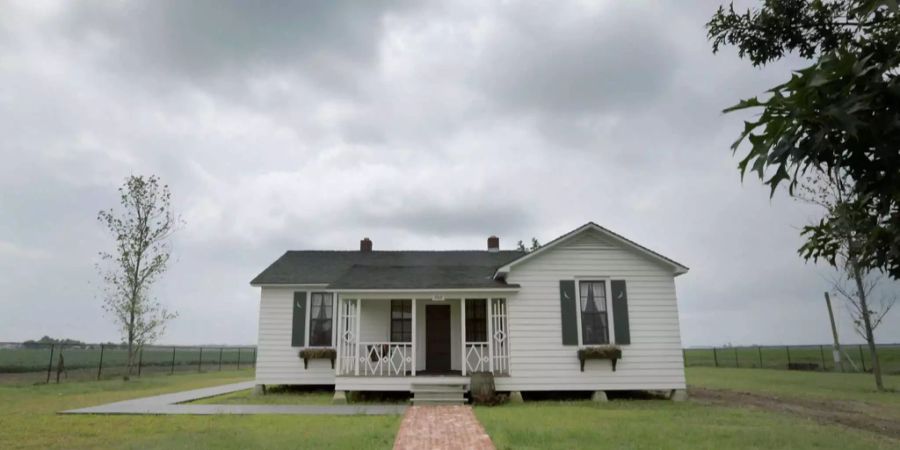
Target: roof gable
593, 236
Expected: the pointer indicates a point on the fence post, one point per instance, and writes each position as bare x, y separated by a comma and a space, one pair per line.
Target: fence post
50, 364
862, 358
220, 359
140, 361
239, 359
254, 357
172, 372
822, 352
737, 363
788, 351
60, 363
759, 353
200, 361
715, 357
684, 357
100, 366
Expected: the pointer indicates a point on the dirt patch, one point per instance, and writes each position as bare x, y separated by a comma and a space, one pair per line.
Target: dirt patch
855, 415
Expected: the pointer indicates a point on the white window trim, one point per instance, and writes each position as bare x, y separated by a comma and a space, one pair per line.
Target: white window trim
607, 281
308, 322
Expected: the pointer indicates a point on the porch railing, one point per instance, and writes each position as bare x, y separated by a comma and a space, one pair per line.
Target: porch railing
477, 357
385, 358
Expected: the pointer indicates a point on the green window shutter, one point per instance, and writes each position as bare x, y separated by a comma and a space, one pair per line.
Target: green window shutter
620, 311
298, 334
568, 305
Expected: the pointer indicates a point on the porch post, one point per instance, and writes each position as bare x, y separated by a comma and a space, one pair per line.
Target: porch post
356, 334
490, 333
462, 321
414, 326
338, 341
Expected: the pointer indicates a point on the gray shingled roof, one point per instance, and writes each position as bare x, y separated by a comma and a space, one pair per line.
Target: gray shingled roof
454, 269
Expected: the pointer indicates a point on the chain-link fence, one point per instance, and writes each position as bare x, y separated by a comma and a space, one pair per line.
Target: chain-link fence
855, 357
46, 363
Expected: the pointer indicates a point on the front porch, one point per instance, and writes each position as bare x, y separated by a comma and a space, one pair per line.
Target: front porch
389, 341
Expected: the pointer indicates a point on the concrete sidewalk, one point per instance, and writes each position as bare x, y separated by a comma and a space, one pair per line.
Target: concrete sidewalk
171, 404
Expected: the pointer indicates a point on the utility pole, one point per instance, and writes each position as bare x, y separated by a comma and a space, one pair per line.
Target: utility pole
836, 352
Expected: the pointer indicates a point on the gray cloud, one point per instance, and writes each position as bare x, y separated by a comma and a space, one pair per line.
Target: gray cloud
204, 41
433, 126
569, 61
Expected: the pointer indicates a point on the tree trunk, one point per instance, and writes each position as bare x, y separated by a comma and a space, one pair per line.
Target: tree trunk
867, 322
130, 363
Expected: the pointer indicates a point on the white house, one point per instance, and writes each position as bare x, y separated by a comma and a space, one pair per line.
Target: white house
417, 320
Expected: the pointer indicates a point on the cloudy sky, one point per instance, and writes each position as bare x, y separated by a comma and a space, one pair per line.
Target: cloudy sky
422, 126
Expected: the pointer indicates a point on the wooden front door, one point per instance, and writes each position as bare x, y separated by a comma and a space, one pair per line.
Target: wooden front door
437, 338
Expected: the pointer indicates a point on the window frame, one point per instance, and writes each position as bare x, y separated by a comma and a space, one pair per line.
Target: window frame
405, 319
310, 319
610, 326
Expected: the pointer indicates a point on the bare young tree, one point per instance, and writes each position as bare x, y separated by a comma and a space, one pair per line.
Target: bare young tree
877, 307
855, 282
142, 231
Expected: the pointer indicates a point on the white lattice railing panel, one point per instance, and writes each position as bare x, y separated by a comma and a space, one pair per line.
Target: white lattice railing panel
348, 315
385, 358
477, 357
499, 336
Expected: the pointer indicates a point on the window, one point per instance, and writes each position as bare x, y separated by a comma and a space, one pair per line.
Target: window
476, 320
401, 320
594, 320
320, 315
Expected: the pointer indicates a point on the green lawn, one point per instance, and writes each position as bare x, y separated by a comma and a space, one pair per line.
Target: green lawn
661, 423
658, 424
848, 387
275, 396
28, 419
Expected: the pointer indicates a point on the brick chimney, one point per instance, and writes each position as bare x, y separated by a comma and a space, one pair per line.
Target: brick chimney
365, 245
493, 244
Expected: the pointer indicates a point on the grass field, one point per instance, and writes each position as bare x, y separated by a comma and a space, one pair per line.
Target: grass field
274, 396
777, 357
658, 424
28, 419
856, 387
29, 365
664, 424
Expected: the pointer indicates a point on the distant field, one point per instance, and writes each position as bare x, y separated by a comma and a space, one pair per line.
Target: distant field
776, 357
30, 364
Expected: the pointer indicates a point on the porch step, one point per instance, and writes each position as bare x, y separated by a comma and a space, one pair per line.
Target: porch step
438, 394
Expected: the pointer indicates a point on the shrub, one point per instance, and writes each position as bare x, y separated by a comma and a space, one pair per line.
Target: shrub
482, 389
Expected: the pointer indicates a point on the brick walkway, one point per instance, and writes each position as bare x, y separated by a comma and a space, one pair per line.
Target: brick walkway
441, 427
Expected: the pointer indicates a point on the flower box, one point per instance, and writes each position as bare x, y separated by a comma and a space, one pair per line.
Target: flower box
610, 352
317, 353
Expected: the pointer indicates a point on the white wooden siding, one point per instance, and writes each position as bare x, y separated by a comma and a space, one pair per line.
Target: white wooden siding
539, 361
277, 361
376, 321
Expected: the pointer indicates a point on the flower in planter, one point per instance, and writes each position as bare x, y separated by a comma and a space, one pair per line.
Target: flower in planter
610, 352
